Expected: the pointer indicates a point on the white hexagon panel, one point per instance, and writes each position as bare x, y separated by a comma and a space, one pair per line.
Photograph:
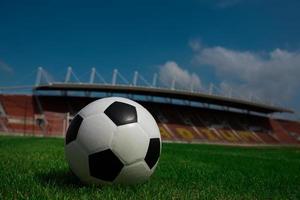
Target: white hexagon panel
130, 143
96, 132
135, 173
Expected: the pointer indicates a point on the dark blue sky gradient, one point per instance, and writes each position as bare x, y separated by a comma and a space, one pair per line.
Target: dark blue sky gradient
136, 35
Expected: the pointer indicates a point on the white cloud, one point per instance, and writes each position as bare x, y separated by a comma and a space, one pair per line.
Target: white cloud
273, 75
5, 67
183, 78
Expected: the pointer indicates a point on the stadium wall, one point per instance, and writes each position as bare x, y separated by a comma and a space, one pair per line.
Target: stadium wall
50, 115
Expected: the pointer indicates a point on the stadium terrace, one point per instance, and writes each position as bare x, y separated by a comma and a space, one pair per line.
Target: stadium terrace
182, 115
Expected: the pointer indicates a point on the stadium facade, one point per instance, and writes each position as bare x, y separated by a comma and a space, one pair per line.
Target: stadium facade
182, 115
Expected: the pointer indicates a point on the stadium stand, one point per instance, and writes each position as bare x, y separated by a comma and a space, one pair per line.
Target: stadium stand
292, 128
50, 116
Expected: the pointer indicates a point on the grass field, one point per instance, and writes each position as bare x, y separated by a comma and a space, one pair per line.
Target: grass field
35, 168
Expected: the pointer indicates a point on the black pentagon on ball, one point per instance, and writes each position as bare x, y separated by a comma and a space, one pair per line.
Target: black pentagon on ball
121, 113
153, 152
73, 129
105, 165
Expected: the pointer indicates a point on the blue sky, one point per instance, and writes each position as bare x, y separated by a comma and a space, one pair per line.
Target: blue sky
199, 40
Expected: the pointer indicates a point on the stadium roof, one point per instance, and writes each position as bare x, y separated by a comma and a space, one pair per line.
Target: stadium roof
164, 92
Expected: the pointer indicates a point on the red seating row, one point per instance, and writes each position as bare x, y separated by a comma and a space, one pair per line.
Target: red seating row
18, 105
49, 115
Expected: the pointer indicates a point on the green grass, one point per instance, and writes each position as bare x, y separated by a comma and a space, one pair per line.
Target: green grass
35, 168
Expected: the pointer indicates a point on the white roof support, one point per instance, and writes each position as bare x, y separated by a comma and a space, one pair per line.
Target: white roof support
92, 76
154, 80
123, 78
144, 80
173, 83
68, 74
114, 77
135, 78
39, 76
100, 77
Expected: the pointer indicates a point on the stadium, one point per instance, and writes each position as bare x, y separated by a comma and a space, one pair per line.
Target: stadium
258, 147
182, 116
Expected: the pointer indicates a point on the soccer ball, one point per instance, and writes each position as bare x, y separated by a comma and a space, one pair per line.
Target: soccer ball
113, 140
